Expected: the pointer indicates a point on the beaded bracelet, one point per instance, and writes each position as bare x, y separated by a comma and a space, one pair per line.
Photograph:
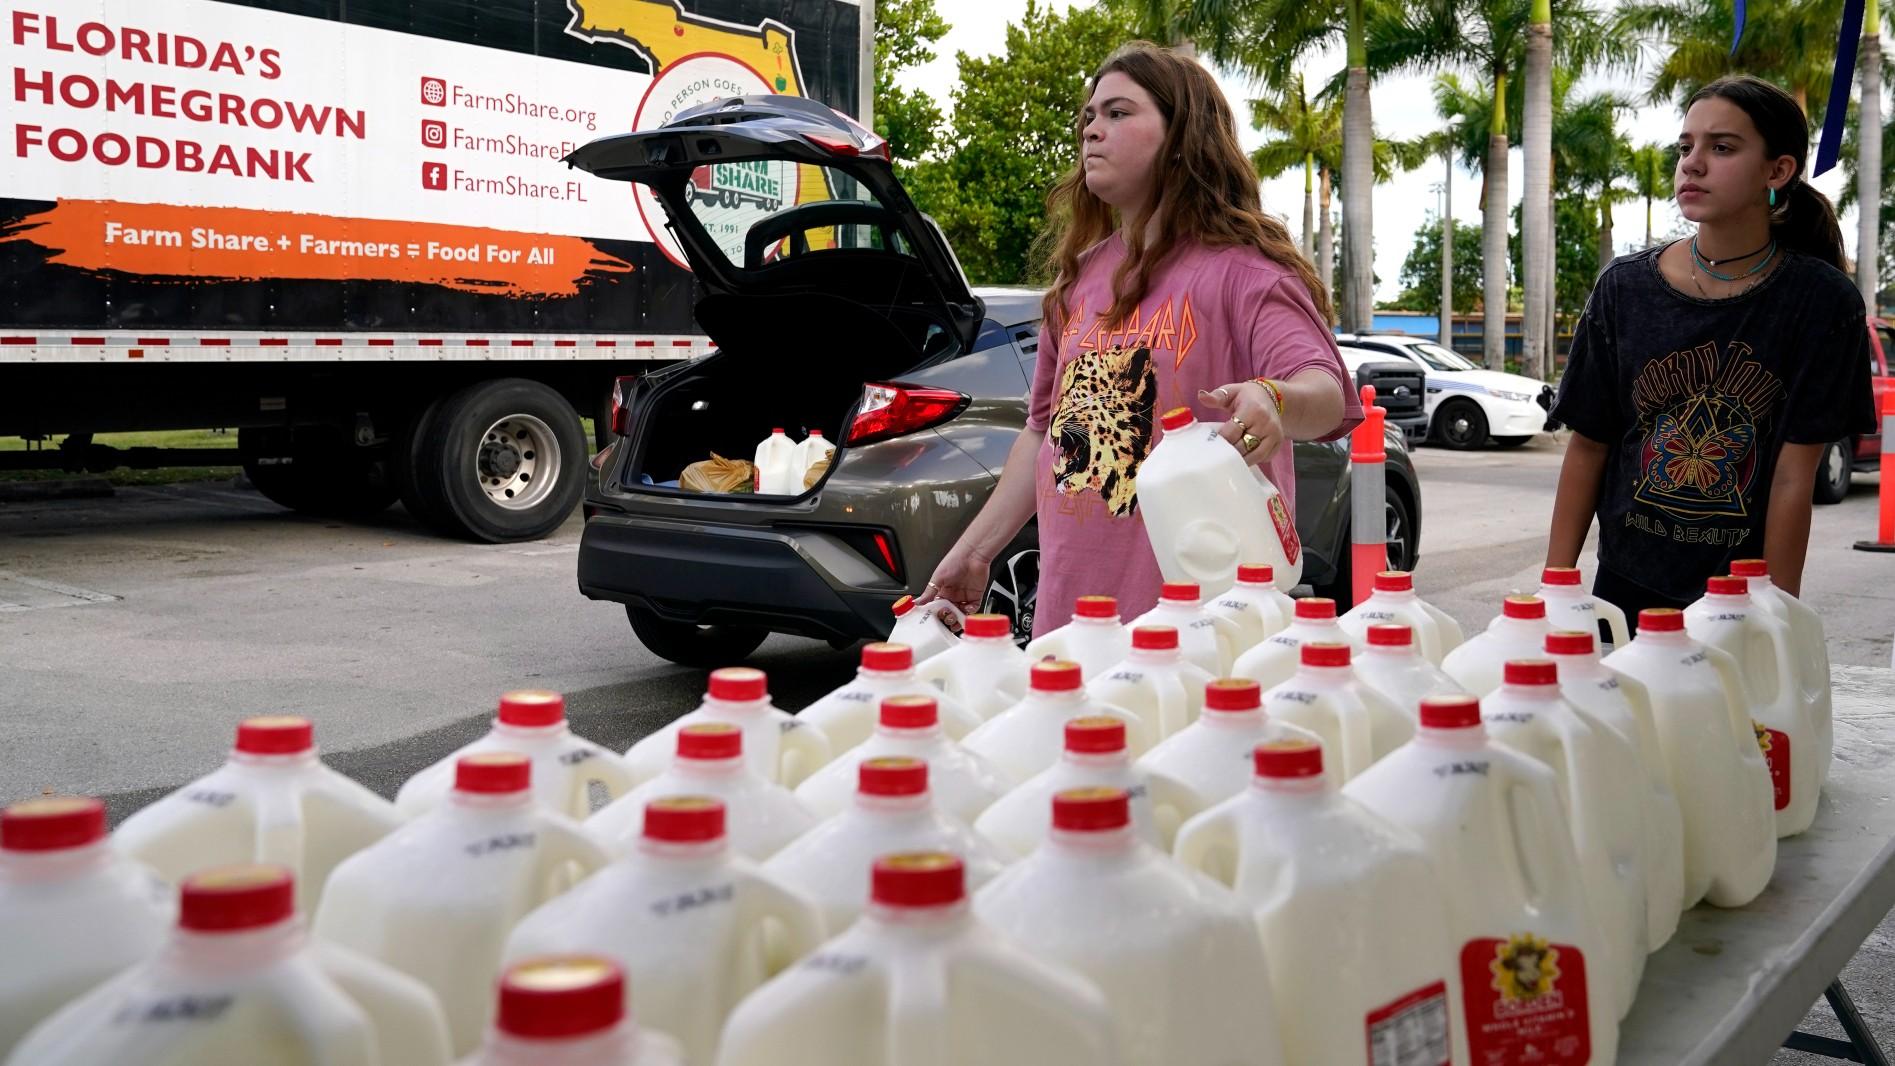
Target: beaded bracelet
1275, 391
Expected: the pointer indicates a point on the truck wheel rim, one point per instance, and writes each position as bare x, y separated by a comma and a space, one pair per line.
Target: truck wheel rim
1396, 538
518, 462
1832, 465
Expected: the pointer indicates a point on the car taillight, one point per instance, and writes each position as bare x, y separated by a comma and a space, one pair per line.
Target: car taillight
896, 410
621, 408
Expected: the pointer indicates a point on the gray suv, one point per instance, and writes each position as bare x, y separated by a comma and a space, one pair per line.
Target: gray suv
840, 309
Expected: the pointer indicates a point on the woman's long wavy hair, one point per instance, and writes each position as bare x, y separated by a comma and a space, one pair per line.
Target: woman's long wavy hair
1207, 190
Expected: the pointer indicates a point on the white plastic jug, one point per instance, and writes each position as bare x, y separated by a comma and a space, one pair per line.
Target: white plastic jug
1205, 640
1765, 650
695, 926
964, 783
760, 816
241, 984
1812, 650
776, 743
1518, 633
1154, 682
1206, 510
272, 801
73, 912
1570, 607
1095, 757
436, 898
1095, 638
847, 715
1352, 914
1254, 605
1174, 952
1590, 760
1357, 724
1622, 703
1524, 939
1391, 665
814, 449
567, 768
1026, 737
1394, 601
923, 629
1211, 756
893, 811
986, 672
569, 1010
1711, 752
777, 472
1272, 662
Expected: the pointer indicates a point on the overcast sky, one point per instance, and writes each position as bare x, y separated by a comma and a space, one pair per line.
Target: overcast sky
1403, 108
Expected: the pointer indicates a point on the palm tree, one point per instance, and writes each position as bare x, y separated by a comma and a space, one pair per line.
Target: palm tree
1790, 44
1305, 131
1869, 161
1590, 154
1536, 216
1651, 168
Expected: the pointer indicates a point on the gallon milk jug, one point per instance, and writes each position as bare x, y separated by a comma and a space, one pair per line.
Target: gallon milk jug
1812, 649
1524, 938
847, 716
919, 981
1254, 605
1570, 607
814, 449
436, 898
1272, 662
1711, 752
1154, 683
922, 628
760, 816
567, 768
73, 912
1095, 638
273, 801
569, 1010
1619, 702
1211, 756
1765, 649
1519, 633
1393, 667
1095, 757
1173, 951
241, 984
1590, 762
777, 472
1394, 601
695, 927
964, 784
1352, 913
1356, 724
1206, 510
776, 744
1204, 639
1026, 737
986, 672
893, 811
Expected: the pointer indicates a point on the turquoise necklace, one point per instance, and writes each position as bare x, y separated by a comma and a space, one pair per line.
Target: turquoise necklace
1708, 265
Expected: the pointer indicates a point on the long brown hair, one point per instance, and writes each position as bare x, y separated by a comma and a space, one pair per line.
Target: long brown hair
1802, 219
1207, 190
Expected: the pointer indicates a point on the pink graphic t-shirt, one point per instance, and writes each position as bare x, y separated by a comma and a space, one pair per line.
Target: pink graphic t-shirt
1211, 316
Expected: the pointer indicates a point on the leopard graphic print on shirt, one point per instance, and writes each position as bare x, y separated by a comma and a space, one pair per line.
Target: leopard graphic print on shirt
1102, 428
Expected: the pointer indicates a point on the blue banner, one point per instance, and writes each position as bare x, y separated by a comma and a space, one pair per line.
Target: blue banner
1737, 34
1847, 36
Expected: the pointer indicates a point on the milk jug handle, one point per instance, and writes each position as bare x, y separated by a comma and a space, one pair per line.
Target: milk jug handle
917, 1017
1737, 700
805, 749
1203, 835
280, 829
565, 841
800, 923
609, 769
1788, 692
1615, 621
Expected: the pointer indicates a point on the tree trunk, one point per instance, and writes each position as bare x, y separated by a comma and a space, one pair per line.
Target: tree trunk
1605, 233
1869, 163
1447, 251
1493, 237
1648, 222
1309, 206
1326, 244
1536, 211
1358, 197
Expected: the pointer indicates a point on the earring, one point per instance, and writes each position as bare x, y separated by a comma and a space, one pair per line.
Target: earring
1773, 196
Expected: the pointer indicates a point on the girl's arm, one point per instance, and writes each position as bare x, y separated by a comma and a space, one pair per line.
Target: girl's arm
1576, 499
1786, 530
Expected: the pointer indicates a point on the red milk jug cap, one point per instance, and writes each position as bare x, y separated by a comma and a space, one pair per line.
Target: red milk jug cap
918, 879
1095, 734
52, 823
1661, 619
533, 708
1523, 607
1450, 712
1315, 609
1188, 591
903, 606
1055, 675
275, 734
888, 658
892, 775
815, 432
987, 625
910, 712
684, 819
739, 684
561, 997
1177, 418
1096, 607
1727, 586
1325, 654
1560, 575
493, 771
1530, 672
1233, 694
1090, 810
1288, 758
232, 899
1394, 581
1155, 638
1570, 642
1391, 635
710, 740
1750, 568
1256, 573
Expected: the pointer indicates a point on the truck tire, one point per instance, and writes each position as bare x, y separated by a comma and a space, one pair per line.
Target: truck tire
418, 495
506, 459
1834, 472
317, 470
699, 647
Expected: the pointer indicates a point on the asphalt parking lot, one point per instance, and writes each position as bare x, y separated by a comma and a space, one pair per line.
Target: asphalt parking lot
137, 629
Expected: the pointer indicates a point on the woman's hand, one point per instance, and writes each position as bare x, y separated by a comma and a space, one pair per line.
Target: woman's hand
1254, 428
961, 579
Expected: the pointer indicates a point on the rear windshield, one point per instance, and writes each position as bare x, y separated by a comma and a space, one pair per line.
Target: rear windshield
761, 212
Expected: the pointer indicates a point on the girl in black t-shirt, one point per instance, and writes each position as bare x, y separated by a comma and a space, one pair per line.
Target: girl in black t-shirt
1706, 376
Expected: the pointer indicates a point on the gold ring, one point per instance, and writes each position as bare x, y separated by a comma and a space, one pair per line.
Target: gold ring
1251, 440
1242, 426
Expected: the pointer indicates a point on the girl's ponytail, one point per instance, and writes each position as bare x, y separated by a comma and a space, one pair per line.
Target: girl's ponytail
1803, 221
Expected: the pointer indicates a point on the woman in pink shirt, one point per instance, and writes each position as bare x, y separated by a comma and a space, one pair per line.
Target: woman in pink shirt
1173, 289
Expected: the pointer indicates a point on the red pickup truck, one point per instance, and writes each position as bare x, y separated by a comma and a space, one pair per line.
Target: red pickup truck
1842, 459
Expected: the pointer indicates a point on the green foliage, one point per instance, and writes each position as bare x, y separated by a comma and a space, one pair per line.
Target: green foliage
1421, 271
905, 34
1791, 44
1575, 253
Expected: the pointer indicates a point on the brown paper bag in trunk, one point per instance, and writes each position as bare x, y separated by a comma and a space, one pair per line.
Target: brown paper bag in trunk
718, 474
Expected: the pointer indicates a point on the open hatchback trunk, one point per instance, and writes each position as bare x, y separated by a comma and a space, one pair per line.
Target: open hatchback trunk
817, 277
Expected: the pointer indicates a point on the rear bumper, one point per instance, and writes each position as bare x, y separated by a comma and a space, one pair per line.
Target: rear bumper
1414, 426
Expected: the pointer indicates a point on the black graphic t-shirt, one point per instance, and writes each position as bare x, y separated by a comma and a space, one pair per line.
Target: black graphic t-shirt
1696, 397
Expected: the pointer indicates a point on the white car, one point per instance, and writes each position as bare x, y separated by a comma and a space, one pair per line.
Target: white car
1468, 406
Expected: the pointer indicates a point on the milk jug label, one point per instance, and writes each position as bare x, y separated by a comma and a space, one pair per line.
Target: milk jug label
1776, 752
1526, 1002
1285, 529
1412, 1031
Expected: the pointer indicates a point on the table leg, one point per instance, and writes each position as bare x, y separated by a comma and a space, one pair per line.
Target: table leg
1860, 1045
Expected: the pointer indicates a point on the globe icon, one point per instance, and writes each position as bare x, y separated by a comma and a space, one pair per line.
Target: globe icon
432, 92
